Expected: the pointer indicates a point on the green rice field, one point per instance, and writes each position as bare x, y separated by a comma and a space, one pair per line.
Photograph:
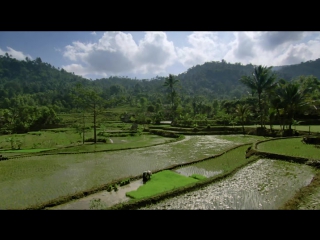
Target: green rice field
34, 180
290, 147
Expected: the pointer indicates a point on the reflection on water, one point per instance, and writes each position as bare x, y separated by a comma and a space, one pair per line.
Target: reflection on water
265, 184
80, 172
190, 170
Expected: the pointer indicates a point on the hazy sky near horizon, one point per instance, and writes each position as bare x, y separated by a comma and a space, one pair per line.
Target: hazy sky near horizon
145, 55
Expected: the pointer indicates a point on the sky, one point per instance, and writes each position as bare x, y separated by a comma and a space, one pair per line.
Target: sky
145, 55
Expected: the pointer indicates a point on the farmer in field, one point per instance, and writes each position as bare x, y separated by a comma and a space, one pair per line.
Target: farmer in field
146, 175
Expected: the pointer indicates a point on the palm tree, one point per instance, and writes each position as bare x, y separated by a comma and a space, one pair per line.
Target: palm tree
170, 82
276, 103
262, 80
242, 111
293, 98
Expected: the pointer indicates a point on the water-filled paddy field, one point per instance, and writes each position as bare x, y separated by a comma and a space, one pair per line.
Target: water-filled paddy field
264, 184
30, 181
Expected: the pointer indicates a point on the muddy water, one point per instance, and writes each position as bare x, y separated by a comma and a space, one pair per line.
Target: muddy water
106, 199
264, 184
190, 170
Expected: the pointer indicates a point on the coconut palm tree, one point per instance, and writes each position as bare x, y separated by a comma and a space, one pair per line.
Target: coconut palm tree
293, 100
262, 80
242, 112
170, 82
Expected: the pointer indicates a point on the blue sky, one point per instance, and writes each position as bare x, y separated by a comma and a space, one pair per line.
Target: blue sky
145, 55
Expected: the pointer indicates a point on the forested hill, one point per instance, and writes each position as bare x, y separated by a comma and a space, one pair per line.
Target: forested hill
42, 84
290, 72
215, 79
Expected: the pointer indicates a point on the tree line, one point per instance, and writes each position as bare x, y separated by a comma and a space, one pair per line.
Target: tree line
32, 93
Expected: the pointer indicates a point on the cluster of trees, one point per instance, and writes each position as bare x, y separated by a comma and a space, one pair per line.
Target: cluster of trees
281, 100
20, 115
32, 93
270, 100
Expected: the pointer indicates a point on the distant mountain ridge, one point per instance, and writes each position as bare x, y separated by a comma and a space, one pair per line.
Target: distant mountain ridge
307, 68
222, 79
50, 85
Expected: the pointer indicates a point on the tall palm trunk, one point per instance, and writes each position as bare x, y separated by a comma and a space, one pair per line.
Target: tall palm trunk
260, 108
94, 123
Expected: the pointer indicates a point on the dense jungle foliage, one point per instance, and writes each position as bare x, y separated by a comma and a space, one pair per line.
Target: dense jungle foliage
35, 94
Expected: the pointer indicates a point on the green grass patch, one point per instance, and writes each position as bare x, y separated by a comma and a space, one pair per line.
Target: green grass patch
161, 182
59, 137
290, 147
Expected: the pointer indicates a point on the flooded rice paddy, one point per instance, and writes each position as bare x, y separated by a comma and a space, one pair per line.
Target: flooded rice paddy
264, 184
25, 182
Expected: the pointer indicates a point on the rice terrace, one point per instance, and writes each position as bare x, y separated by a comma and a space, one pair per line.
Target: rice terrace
90, 145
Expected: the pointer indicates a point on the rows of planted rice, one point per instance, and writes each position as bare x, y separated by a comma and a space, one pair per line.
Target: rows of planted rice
290, 147
263, 184
29, 181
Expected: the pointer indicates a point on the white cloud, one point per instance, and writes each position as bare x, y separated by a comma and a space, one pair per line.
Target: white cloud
118, 53
154, 53
15, 54
76, 68
205, 47
273, 48
244, 46
297, 53
94, 33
